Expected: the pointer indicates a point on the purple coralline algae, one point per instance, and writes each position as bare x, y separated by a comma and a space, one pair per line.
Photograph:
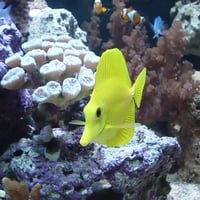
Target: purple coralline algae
15, 105
10, 41
15, 116
136, 171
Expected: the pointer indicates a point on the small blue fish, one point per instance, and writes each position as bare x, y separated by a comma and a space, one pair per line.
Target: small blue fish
5, 12
158, 27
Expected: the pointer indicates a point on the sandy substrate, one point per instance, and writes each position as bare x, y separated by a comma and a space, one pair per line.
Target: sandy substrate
184, 191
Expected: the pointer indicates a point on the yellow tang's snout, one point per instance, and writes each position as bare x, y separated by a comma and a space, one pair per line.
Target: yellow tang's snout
86, 136
94, 123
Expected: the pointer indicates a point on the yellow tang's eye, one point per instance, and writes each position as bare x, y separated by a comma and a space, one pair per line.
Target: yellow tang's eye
98, 112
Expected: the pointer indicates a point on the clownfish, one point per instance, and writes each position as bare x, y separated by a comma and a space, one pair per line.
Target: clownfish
98, 7
131, 15
110, 114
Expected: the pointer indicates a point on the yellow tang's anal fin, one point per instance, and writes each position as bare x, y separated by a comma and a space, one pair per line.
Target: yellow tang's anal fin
138, 87
77, 122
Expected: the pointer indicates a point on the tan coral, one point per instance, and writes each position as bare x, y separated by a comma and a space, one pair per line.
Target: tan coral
16, 190
19, 190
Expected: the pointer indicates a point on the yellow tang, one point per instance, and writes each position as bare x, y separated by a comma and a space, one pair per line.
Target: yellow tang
110, 113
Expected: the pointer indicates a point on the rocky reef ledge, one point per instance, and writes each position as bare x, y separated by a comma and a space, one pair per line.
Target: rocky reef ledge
65, 170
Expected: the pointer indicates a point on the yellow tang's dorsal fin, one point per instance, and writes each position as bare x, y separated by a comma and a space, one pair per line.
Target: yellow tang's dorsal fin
138, 87
124, 135
112, 65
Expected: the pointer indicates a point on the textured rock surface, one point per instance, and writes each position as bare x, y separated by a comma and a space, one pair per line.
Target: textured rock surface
10, 40
136, 171
15, 105
184, 191
55, 22
188, 14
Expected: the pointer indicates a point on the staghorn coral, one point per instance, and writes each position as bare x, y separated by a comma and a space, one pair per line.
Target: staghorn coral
19, 190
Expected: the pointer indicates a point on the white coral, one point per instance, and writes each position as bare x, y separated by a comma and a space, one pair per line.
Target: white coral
54, 60
13, 79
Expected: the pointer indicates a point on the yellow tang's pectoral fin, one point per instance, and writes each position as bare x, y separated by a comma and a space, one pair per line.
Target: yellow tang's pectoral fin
138, 87
124, 131
77, 122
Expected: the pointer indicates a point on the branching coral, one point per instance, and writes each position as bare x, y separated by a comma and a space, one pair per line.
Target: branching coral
93, 33
170, 86
117, 27
19, 190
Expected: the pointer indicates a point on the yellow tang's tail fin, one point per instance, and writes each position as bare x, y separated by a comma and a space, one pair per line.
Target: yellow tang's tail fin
138, 87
